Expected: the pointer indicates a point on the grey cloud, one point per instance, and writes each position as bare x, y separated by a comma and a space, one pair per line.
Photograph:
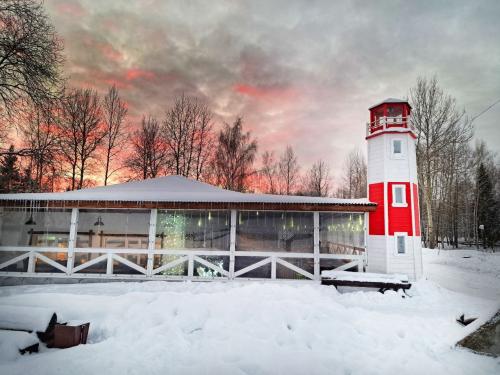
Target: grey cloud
338, 57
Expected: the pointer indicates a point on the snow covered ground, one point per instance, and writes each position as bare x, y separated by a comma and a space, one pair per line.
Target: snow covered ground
270, 328
471, 272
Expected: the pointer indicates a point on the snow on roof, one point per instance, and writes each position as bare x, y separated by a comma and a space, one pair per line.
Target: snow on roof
173, 189
389, 100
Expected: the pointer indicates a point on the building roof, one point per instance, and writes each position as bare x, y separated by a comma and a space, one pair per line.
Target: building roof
389, 100
173, 189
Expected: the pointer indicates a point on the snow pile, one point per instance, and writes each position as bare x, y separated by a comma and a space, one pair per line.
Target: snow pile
25, 319
268, 328
13, 341
255, 328
365, 276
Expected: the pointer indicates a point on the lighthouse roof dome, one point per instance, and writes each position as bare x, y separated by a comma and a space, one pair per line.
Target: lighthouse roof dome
389, 100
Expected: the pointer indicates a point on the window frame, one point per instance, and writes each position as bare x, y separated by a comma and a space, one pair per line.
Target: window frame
399, 155
404, 202
396, 236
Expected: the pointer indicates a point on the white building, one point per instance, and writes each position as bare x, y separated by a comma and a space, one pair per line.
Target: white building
172, 228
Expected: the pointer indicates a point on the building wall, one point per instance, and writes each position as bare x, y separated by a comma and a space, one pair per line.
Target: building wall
385, 170
376, 254
178, 244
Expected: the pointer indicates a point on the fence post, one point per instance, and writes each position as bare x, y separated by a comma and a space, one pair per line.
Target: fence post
232, 244
273, 268
109, 264
190, 265
317, 275
31, 262
151, 241
72, 241
360, 263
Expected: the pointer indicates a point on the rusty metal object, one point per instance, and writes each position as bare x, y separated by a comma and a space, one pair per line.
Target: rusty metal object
67, 336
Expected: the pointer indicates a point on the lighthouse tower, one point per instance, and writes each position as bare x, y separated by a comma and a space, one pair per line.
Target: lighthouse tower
394, 244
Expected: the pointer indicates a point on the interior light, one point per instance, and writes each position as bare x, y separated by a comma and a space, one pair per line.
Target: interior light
30, 221
98, 222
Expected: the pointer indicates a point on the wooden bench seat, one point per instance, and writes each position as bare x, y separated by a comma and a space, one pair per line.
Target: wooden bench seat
383, 282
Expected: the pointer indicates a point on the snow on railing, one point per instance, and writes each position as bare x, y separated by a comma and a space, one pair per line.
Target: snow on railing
386, 123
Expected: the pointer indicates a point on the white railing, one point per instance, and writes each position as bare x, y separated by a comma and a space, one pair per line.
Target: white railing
389, 123
32, 262
132, 263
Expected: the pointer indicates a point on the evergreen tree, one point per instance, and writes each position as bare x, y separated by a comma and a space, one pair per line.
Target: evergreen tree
10, 177
487, 207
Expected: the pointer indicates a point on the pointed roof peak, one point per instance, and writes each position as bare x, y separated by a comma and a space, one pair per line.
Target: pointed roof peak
173, 183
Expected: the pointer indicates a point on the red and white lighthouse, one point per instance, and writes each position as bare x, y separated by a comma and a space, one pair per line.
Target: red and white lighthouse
394, 244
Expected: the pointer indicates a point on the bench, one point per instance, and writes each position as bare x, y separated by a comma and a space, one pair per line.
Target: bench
381, 281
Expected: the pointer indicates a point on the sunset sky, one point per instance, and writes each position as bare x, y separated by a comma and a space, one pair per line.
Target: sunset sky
299, 72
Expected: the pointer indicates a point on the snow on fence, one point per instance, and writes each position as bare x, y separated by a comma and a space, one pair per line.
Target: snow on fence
174, 264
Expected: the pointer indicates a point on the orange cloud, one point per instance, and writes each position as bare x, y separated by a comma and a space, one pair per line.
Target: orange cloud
268, 93
133, 74
110, 52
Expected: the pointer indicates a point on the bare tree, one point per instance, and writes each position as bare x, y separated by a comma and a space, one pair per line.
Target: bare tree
203, 142
149, 151
187, 133
40, 135
354, 170
30, 55
234, 157
81, 132
317, 180
269, 172
288, 171
114, 113
439, 125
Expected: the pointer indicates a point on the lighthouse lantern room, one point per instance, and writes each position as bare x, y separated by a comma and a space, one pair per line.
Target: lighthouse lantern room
394, 244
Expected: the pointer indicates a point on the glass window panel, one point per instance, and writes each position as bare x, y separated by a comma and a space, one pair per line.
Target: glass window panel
283, 272
401, 244
123, 269
341, 233
396, 146
117, 229
262, 272
398, 195
379, 113
82, 258
178, 270
20, 266
34, 227
192, 229
275, 231
203, 271
61, 258
330, 264
395, 111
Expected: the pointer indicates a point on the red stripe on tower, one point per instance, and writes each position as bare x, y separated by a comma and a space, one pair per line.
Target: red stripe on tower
416, 211
399, 216
376, 218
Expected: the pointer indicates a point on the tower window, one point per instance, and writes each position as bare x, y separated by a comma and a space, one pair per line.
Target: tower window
396, 147
399, 196
400, 239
